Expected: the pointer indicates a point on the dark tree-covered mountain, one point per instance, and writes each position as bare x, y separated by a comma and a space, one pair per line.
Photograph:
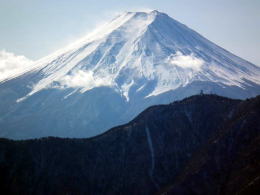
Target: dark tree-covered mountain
201, 145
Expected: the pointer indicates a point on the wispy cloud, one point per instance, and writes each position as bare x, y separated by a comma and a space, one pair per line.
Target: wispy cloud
11, 64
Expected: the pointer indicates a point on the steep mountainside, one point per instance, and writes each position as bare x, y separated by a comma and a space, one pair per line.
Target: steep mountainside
201, 145
137, 60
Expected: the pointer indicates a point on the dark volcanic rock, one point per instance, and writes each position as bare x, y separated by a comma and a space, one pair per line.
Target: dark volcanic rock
201, 145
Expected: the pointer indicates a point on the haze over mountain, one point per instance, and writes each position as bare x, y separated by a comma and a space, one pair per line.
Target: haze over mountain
105, 79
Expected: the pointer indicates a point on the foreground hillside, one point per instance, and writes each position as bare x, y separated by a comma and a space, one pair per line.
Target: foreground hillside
201, 145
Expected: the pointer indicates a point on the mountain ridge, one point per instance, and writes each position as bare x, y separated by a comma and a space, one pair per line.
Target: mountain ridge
146, 155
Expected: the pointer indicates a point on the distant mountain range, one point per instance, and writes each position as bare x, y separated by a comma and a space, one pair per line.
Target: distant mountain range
137, 60
201, 145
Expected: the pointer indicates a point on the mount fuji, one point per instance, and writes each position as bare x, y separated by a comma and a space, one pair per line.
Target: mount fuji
105, 79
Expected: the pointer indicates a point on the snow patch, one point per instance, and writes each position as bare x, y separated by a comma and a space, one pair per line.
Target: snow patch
125, 89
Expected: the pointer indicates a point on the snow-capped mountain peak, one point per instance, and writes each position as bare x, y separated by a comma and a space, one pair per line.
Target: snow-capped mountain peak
140, 47
105, 79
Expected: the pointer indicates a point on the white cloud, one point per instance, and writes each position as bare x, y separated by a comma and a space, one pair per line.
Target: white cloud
11, 64
186, 61
85, 80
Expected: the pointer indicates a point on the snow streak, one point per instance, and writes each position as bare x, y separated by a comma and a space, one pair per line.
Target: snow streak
150, 144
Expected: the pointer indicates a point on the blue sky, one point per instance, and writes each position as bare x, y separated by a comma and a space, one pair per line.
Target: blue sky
35, 28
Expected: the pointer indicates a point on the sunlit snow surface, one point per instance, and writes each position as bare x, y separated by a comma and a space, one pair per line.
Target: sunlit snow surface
141, 46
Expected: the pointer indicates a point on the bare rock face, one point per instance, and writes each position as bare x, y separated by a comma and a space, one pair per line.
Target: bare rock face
201, 145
